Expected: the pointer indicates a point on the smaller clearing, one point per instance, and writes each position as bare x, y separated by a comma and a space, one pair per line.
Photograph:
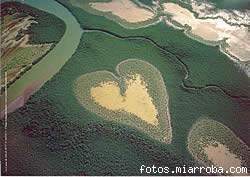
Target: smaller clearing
213, 143
124, 9
221, 156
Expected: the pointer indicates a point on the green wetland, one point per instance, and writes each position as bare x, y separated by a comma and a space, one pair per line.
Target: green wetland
64, 138
197, 57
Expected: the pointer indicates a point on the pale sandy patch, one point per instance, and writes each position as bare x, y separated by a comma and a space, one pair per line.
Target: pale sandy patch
135, 100
237, 37
13, 50
124, 9
8, 37
43, 47
205, 28
239, 44
9, 34
222, 157
206, 31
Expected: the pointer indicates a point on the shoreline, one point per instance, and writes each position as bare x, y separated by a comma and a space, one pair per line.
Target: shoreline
25, 69
21, 100
220, 30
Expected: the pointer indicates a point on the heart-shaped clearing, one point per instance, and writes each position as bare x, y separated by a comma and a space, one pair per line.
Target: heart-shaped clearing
138, 98
135, 100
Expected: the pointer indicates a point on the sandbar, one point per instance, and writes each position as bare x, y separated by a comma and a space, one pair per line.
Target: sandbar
124, 9
237, 36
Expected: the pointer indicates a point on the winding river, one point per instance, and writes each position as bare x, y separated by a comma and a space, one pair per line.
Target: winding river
33, 79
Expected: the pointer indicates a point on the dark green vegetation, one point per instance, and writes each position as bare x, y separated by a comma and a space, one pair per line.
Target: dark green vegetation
63, 126
68, 139
146, 2
48, 145
66, 122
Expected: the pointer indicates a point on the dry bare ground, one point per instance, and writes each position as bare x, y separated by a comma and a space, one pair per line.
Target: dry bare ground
124, 9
